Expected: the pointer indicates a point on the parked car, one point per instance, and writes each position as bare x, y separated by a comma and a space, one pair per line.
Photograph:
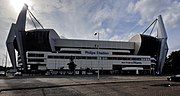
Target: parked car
18, 74
174, 78
2, 73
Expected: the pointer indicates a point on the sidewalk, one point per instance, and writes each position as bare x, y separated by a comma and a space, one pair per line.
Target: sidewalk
18, 83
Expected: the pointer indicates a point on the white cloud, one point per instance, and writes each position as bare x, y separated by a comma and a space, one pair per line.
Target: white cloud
130, 7
116, 38
150, 9
80, 18
7, 16
172, 15
45, 6
123, 37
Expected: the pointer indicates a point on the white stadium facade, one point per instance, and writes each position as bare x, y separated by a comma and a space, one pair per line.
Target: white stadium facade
42, 50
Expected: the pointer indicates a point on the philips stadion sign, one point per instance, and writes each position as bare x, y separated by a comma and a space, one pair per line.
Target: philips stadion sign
96, 53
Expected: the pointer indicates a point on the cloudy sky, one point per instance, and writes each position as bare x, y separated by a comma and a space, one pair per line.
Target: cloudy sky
80, 19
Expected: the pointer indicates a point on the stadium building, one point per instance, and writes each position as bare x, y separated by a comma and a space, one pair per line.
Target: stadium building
42, 50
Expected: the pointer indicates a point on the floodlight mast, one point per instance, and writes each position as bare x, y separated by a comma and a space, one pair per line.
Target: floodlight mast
17, 32
163, 47
162, 36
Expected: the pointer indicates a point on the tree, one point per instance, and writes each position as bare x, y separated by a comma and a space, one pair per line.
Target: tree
174, 58
72, 65
172, 64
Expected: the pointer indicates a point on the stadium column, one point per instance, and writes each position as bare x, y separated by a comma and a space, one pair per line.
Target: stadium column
18, 30
162, 36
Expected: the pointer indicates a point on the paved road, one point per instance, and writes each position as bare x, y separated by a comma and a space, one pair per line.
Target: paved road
89, 86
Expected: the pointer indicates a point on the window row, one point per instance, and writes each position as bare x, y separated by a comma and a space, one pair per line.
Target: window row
35, 60
35, 55
70, 52
95, 58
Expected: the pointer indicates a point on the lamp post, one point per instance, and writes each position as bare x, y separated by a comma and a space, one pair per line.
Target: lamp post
5, 65
97, 33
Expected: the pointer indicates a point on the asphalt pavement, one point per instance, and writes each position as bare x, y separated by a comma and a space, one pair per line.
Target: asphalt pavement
88, 85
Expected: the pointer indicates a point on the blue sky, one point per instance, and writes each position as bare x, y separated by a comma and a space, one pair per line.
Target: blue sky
79, 19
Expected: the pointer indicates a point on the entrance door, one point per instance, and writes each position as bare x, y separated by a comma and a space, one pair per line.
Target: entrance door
117, 69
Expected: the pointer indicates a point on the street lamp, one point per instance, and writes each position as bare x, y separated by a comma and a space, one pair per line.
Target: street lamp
97, 33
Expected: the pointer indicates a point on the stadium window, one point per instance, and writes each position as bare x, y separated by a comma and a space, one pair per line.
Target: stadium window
70, 52
78, 57
91, 57
119, 58
109, 58
133, 58
116, 53
35, 60
61, 57
119, 53
124, 58
83, 57
50, 56
138, 58
35, 55
104, 58
66, 57
55, 57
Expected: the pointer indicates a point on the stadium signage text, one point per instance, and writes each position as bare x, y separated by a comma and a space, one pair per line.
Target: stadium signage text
134, 62
96, 52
